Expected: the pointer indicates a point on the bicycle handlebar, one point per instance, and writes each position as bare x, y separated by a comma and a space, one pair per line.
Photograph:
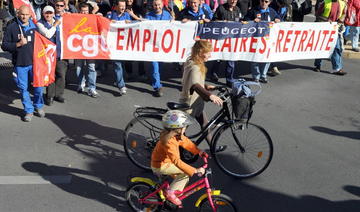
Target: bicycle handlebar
221, 88
223, 92
205, 159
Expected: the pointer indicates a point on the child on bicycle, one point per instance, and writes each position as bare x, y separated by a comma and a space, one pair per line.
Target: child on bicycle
165, 158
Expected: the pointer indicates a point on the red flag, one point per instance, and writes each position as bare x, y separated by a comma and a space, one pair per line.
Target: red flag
18, 3
44, 61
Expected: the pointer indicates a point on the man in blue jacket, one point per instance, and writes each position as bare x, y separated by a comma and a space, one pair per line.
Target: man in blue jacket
19, 41
119, 14
194, 12
158, 13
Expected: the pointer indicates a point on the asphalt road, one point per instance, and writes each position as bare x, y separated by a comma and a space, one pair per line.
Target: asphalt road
313, 119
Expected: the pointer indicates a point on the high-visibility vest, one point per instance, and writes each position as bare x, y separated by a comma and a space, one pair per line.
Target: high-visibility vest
328, 5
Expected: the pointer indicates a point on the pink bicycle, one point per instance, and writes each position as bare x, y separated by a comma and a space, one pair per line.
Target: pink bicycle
146, 195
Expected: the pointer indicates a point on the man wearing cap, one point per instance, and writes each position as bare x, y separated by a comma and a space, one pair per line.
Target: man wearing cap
49, 27
19, 41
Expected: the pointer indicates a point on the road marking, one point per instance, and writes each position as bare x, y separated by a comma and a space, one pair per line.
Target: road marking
18, 180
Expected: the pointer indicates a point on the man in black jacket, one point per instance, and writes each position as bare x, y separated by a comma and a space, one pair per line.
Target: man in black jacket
226, 12
261, 13
244, 6
19, 41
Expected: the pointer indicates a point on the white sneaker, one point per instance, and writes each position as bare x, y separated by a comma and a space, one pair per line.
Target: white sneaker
93, 93
276, 70
123, 90
81, 88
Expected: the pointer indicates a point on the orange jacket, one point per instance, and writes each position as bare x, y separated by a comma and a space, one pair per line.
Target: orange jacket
170, 153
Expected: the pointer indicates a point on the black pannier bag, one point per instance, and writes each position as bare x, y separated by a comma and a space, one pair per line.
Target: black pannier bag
242, 107
243, 99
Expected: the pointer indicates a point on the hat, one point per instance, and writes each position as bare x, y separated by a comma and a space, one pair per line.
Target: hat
48, 9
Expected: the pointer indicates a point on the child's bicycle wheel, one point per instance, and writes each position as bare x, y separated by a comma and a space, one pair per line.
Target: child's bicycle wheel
139, 190
221, 203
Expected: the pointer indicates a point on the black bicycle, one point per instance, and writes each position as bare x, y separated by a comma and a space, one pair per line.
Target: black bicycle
241, 150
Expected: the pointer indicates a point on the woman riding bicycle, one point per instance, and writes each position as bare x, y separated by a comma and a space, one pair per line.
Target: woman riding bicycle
165, 158
194, 90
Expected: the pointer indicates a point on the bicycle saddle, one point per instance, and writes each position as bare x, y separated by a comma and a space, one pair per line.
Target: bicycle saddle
162, 178
177, 106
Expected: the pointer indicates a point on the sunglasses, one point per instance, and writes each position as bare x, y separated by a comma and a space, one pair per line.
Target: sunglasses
59, 5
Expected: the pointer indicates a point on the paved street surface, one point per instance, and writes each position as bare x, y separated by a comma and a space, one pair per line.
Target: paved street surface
73, 160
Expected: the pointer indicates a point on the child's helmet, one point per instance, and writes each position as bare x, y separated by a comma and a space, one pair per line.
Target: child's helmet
174, 119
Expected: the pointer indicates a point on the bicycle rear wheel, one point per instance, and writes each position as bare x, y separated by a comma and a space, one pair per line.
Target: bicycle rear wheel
241, 150
222, 203
138, 191
141, 135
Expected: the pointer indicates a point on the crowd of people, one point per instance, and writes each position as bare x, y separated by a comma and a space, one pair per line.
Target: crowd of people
19, 37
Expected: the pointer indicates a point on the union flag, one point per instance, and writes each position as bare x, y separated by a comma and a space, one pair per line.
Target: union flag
44, 61
18, 3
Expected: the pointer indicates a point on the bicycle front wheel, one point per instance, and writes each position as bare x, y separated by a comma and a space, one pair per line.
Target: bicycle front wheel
141, 135
222, 203
241, 150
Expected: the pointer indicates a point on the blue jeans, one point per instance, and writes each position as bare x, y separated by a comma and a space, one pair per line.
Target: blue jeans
354, 36
91, 73
336, 58
24, 76
155, 75
230, 68
119, 74
259, 70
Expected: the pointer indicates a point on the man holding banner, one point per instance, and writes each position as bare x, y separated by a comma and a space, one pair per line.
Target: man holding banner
333, 11
194, 13
158, 13
119, 14
227, 12
261, 13
89, 64
19, 41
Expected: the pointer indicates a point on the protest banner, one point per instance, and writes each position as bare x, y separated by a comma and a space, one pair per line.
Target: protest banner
44, 61
84, 37
286, 41
94, 37
223, 30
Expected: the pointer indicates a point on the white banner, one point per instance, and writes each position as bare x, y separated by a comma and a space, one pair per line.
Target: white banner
167, 41
94, 37
286, 41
